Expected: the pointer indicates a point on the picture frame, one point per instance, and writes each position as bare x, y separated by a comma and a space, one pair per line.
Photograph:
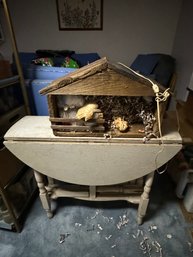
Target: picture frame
80, 14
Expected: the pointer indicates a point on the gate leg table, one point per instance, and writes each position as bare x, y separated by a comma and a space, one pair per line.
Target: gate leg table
91, 168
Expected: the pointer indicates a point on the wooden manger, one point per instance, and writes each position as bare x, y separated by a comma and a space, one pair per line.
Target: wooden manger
102, 99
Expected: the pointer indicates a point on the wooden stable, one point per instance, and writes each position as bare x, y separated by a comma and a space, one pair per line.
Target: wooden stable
102, 81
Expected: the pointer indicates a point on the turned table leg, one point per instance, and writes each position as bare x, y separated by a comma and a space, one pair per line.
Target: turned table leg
43, 193
51, 185
144, 200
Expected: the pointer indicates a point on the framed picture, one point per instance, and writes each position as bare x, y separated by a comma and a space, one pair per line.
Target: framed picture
80, 14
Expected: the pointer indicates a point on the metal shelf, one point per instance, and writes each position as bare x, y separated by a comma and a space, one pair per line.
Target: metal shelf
9, 81
9, 118
14, 202
12, 168
16, 55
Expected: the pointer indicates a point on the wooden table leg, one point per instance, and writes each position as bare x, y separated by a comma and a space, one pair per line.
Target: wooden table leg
43, 193
144, 200
51, 185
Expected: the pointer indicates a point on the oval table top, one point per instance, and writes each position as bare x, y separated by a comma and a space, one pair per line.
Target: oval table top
89, 161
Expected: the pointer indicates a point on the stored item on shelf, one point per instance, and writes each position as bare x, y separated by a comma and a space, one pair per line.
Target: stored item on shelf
5, 69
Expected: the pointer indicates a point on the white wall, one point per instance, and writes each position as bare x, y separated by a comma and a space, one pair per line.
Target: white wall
183, 49
130, 27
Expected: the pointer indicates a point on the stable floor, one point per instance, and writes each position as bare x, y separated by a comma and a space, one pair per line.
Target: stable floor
104, 229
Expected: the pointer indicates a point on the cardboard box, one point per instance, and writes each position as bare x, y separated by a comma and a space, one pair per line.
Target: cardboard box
5, 69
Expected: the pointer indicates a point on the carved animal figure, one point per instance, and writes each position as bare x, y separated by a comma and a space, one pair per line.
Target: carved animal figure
87, 112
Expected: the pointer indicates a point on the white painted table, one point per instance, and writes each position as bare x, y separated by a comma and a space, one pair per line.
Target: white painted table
93, 163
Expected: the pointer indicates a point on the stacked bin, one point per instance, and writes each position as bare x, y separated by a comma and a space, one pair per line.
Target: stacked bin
40, 77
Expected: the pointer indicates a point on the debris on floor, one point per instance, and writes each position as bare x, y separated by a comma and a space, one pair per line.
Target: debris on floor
147, 239
63, 237
108, 237
78, 224
123, 221
169, 236
190, 247
152, 228
99, 226
96, 214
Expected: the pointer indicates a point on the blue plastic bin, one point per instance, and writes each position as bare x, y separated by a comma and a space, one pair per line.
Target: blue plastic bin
40, 101
46, 72
43, 77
